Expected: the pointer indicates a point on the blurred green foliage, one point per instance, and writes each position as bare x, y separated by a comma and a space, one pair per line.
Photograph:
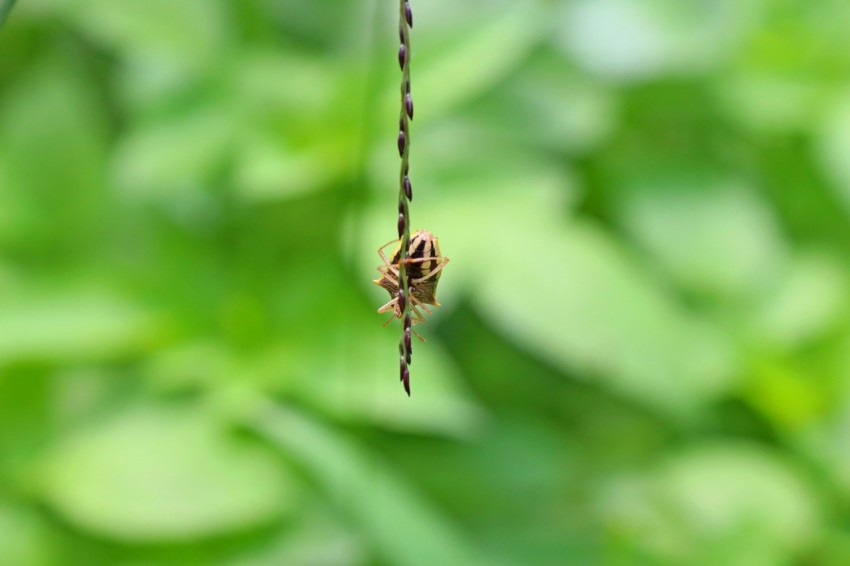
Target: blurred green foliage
643, 355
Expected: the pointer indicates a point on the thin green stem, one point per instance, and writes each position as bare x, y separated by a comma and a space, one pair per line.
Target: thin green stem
404, 191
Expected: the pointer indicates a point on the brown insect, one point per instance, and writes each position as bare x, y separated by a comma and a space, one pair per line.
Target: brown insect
424, 265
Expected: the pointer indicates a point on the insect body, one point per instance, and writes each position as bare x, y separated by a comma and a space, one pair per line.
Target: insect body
424, 265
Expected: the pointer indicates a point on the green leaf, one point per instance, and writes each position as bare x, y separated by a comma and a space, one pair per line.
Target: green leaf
732, 499
267, 168
157, 474
71, 327
772, 102
808, 300
318, 539
564, 111
402, 526
824, 441
183, 34
301, 133
640, 39
171, 158
834, 146
359, 369
24, 537
720, 239
53, 141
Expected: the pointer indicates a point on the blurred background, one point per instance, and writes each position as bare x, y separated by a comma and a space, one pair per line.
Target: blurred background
643, 353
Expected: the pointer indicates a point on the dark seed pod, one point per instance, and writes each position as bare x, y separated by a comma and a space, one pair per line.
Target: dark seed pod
406, 380
407, 322
402, 142
402, 302
402, 368
408, 14
407, 344
402, 56
408, 189
408, 105
401, 225
401, 33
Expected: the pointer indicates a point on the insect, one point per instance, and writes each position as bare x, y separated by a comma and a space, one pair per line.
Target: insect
424, 265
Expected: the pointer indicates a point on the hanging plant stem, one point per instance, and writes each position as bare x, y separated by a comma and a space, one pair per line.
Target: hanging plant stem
405, 192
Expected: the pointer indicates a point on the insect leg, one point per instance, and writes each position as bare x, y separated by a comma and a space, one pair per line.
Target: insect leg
441, 263
384, 257
421, 304
417, 318
389, 305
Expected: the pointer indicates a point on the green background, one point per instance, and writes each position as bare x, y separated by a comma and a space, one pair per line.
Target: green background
643, 353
